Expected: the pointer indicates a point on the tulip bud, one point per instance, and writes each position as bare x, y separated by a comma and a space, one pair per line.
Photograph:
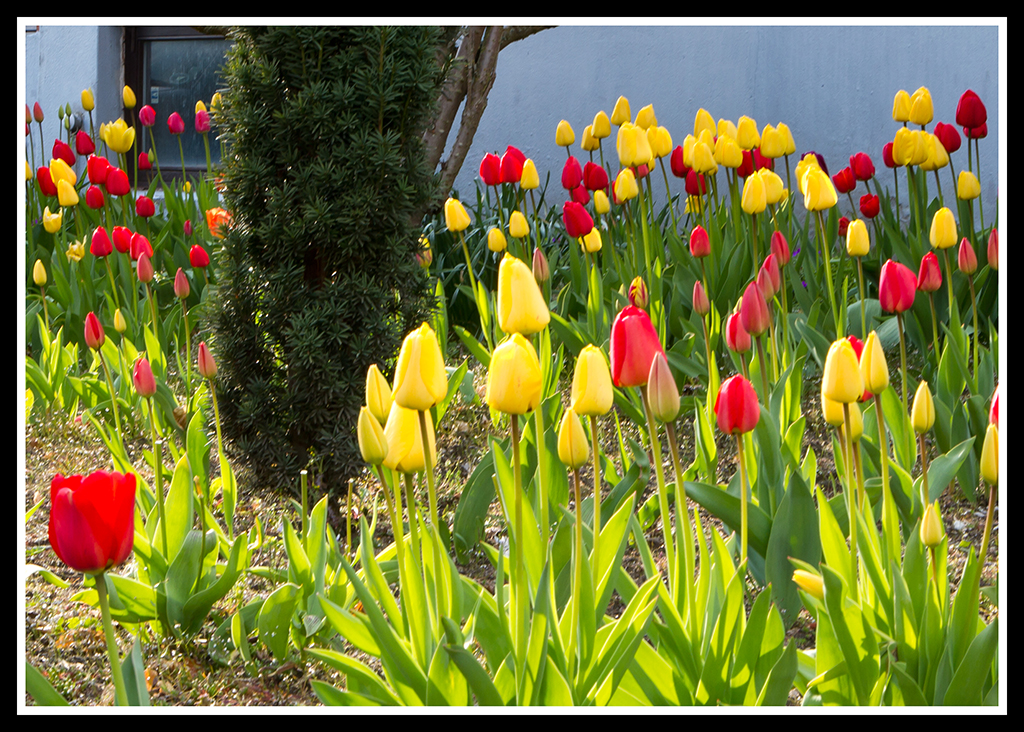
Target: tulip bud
591, 383
727, 153
117, 182
420, 377
119, 323
754, 311
967, 260
993, 249
638, 293
736, 407
202, 122
496, 241
844, 180
754, 199
140, 245
94, 335
897, 287
931, 526
521, 306
145, 207
147, 116
990, 455
701, 304
601, 203
662, 392
175, 124
517, 225
993, 411
66, 194
198, 257
621, 113
858, 242
625, 185
943, 231
772, 143
144, 268
592, 242
810, 583
205, 363
780, 248
704, 161
490, 169
901, 107
873, 368
530, 179
181, 286
122, 238
455, 216
84, 144
405, 441
142, 376
967, 186
573, 448
862, 167
769, 278
514, 378
564, 136
589, 143
39, 273
869, 205
129, 97
819, 193
541, 272
921, 111
726, 129
576, 219
88, 102
922, 414
634, 344
746, 133
841, 381
832, 412
700, 244
736, 337
373, 445
970, 111
572, 174
94, 198
511, 170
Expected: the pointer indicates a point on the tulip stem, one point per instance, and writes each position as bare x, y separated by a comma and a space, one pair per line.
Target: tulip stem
159, 475
538, 415
595, 451
981, 208
863, 297
671, 206
108, 632
229, 502
851, 504
949, 276
925, 491
763, 367
890, 523
396, 519
113, 396
580, 559
428, 463
989, 514
974, 314
113, 287
935, 328
743, 498
903, 370
410, 502
666, 526
682, 512
519, 582
826, 256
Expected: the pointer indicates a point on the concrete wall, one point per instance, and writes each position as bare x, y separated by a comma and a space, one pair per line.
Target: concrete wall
833, 86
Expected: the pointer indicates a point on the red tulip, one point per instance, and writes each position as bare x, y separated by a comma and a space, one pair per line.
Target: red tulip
700, 244
187, 227
63, 151
572, 174
100, 245
45, 182
122, 237
761, 162
976, 133
858, 349
695, 184
490, 170
207, 366
970, 111
117, 182
844, 180
641, 171
862, 167
144, 163
701, 304
512, 165
198, 257
780, 248
929, 276
887, 156
37, 112
754, 311
844, 224
736, 406
948, 136
966, 260
94, 197
144, 268
94, 335
181, 287
771, 276
634, 344
576, 219
92, 520
145, 207
679, 169
896, 287
147, 116
84, 144
142, 376
595, 178
993, 412
579, 195
175, 124
993, 249
747, 166
202, 122
97, 166
140, 245
736, 336
869, 205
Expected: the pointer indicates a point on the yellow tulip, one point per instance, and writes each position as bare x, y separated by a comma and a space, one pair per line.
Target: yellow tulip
922, 414
937, 156
52, 221
76, 250
514, 378
66, 194
621, 113
746, 133
901, 107
873, 368
39, 273
645, 118
858, 242
931, 526
726, 129
841, 381
592, 242
727, 152
819, 193
119, 323
625, 144
810, 583
573, 448
967, 186
496, 240
831, 411
455, 216
921, 111
28, 171
919, 151
59, 170
521, 306
773, 144
704, 160
405, 443
688, 142
601, 204
704, 121
200, 106
373, 444
625, 185
990, 455
88, 101
215, 102
129, 98
783, 129
774, 188
903, 146
589, 143
755, 197
420, 378
119, 136
564, 136
807, 163
601, 127
660, 141
530, 178
378, 394
517, 225
943, 231
592, 393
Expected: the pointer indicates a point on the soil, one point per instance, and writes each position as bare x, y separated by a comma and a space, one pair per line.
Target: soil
64, 639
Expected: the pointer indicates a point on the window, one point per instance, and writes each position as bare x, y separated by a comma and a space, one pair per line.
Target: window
170, 68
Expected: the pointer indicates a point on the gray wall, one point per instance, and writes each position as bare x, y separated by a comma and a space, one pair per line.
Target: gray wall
833, 86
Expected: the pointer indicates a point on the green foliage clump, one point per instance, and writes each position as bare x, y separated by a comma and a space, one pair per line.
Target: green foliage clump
326, 170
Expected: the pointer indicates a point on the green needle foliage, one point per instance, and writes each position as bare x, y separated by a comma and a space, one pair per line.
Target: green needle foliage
319, 281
